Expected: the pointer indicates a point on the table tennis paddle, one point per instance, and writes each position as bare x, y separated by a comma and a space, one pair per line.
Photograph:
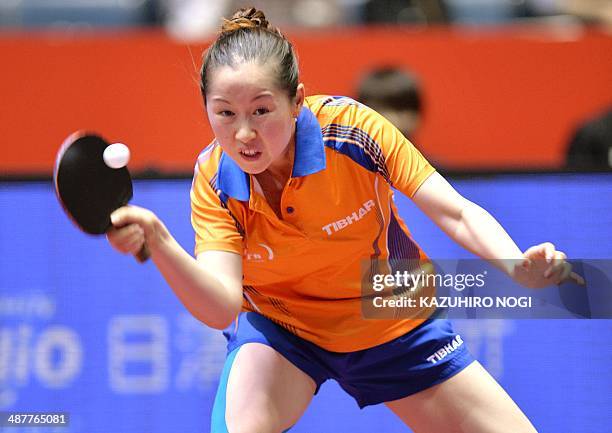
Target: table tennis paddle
87, 188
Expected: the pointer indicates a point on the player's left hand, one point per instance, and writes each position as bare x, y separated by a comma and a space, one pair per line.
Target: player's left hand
542, 266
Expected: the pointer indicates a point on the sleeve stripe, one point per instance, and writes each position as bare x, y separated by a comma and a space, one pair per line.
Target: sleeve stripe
359, 137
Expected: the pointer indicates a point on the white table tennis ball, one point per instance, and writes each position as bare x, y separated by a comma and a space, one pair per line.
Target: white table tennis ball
116, 155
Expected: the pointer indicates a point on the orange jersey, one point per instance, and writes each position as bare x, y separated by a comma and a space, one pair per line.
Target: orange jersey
305, 271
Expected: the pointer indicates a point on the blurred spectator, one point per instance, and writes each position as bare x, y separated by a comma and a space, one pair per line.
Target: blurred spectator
77, 14
484, 11
405, 11
591, 145
396, 95
496, 11
193, 19
590, 11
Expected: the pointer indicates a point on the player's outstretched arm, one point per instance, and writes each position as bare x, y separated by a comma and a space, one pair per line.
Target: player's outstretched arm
209, 287
476, 230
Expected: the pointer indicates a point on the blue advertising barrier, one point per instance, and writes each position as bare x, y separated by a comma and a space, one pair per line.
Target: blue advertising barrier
92, 333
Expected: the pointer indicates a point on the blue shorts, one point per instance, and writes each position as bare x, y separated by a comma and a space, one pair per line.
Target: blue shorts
425, 356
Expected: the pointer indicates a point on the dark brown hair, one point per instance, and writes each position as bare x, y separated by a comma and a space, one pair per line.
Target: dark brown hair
248, 37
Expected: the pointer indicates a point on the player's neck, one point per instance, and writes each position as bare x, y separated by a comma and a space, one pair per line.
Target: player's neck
280, 170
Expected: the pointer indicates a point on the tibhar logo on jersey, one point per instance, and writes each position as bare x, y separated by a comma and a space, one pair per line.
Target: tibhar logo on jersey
350, 219
446, 350
259, 254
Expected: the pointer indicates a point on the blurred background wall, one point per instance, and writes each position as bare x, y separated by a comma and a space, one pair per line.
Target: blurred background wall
502, 87
90, 332
507, 85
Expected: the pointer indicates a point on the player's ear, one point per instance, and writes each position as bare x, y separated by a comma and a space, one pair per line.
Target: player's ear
300, 94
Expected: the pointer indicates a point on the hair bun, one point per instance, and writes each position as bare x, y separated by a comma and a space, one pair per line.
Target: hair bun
245, 18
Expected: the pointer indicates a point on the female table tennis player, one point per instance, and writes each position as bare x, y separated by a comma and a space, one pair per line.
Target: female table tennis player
288, 201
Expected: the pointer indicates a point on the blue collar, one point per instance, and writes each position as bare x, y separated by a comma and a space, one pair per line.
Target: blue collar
309, 158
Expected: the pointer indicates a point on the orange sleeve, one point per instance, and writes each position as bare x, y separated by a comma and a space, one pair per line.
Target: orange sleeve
215, 227
404, 166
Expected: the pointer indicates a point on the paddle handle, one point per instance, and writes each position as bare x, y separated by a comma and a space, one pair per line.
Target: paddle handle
143, 255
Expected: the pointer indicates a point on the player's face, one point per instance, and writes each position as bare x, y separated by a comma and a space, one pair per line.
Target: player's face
252, 119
